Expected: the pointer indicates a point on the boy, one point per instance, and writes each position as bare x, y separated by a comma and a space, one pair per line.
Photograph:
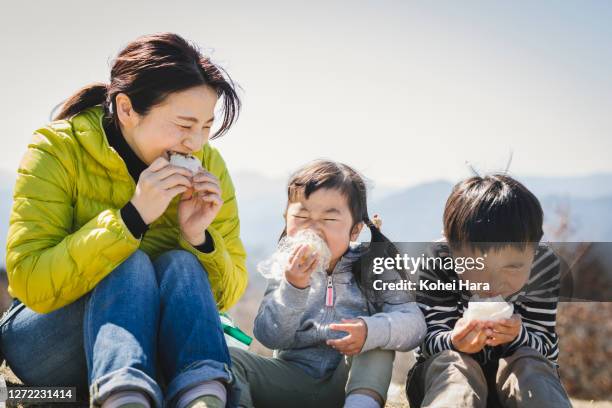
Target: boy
496, 222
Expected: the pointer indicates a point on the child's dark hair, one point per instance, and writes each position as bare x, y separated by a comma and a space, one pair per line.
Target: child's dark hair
323, 174
492, 212
149, 69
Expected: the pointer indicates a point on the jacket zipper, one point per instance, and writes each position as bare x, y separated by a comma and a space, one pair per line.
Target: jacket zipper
329, 294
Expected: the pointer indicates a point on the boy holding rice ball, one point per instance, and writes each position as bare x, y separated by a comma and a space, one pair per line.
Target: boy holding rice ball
496, 347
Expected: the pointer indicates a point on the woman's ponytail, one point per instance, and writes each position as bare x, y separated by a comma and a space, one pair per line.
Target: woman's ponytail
86, 97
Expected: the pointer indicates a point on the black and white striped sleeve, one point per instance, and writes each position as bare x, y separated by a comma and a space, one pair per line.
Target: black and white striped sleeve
538, 308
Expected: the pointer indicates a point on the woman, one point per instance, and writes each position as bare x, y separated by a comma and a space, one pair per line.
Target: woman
117, 259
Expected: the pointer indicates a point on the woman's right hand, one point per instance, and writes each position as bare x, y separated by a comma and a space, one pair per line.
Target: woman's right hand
302, 264
157, 186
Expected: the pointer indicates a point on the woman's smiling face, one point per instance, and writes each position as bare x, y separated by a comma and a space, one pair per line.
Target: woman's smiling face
180, 123
326, 212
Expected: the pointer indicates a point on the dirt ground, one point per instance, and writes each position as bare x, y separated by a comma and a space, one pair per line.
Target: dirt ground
397, 399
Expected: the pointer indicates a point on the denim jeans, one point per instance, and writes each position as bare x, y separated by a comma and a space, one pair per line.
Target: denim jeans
150, 326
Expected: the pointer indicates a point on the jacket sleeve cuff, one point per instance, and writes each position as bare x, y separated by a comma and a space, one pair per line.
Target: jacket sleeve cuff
113, 221
520, 340
133, 220
447, 342
208, 246
440, 342
209, 259
378, 332
292, 297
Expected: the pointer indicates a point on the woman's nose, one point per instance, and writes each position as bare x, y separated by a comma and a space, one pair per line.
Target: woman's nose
194, 142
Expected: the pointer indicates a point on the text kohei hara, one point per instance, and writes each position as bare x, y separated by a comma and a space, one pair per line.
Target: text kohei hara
404, 284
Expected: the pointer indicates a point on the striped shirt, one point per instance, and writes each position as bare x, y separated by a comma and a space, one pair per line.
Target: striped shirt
536, 303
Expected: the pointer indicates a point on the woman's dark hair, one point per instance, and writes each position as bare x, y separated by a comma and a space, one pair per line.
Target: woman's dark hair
323, 174
150, 68
492, 211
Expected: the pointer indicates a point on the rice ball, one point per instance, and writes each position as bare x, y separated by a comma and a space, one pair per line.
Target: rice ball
490, 309
188, 162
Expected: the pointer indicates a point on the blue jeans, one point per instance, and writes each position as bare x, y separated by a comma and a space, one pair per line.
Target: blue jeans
150, 326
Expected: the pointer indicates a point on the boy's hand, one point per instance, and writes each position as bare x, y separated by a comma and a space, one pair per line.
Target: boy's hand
503, 331
469, 336
352, 343
301, 265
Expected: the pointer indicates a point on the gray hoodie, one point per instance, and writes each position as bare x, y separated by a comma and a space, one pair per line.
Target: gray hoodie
295, 322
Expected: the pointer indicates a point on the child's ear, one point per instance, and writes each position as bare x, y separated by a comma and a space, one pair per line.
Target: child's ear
356, 231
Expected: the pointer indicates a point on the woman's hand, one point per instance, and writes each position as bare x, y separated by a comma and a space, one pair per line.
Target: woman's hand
301, 265
199, 207
157, 186
353, 342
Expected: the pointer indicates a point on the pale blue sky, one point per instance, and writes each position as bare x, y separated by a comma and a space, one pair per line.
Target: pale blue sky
405, 91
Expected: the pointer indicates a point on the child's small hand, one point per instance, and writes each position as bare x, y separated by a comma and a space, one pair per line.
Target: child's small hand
503, 331
352, 343
301, 265
469, 336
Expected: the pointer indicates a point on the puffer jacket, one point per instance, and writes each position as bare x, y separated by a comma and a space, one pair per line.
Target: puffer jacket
295, 322
66, 232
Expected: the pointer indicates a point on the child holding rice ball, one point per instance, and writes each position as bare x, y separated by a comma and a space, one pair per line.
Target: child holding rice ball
315, 315
497, 346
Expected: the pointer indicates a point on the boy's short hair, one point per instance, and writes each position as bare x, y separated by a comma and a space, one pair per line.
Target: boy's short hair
494, 210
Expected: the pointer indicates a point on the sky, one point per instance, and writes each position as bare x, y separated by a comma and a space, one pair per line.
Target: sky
406, 92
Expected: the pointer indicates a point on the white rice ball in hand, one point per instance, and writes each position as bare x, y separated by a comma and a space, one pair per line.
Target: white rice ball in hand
274, 267
186, 161
190, 163
488, 309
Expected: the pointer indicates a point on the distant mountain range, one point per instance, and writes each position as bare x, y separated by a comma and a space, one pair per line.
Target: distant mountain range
409, 214
415, 213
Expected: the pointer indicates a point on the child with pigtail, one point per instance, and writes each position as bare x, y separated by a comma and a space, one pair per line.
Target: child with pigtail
334, 336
